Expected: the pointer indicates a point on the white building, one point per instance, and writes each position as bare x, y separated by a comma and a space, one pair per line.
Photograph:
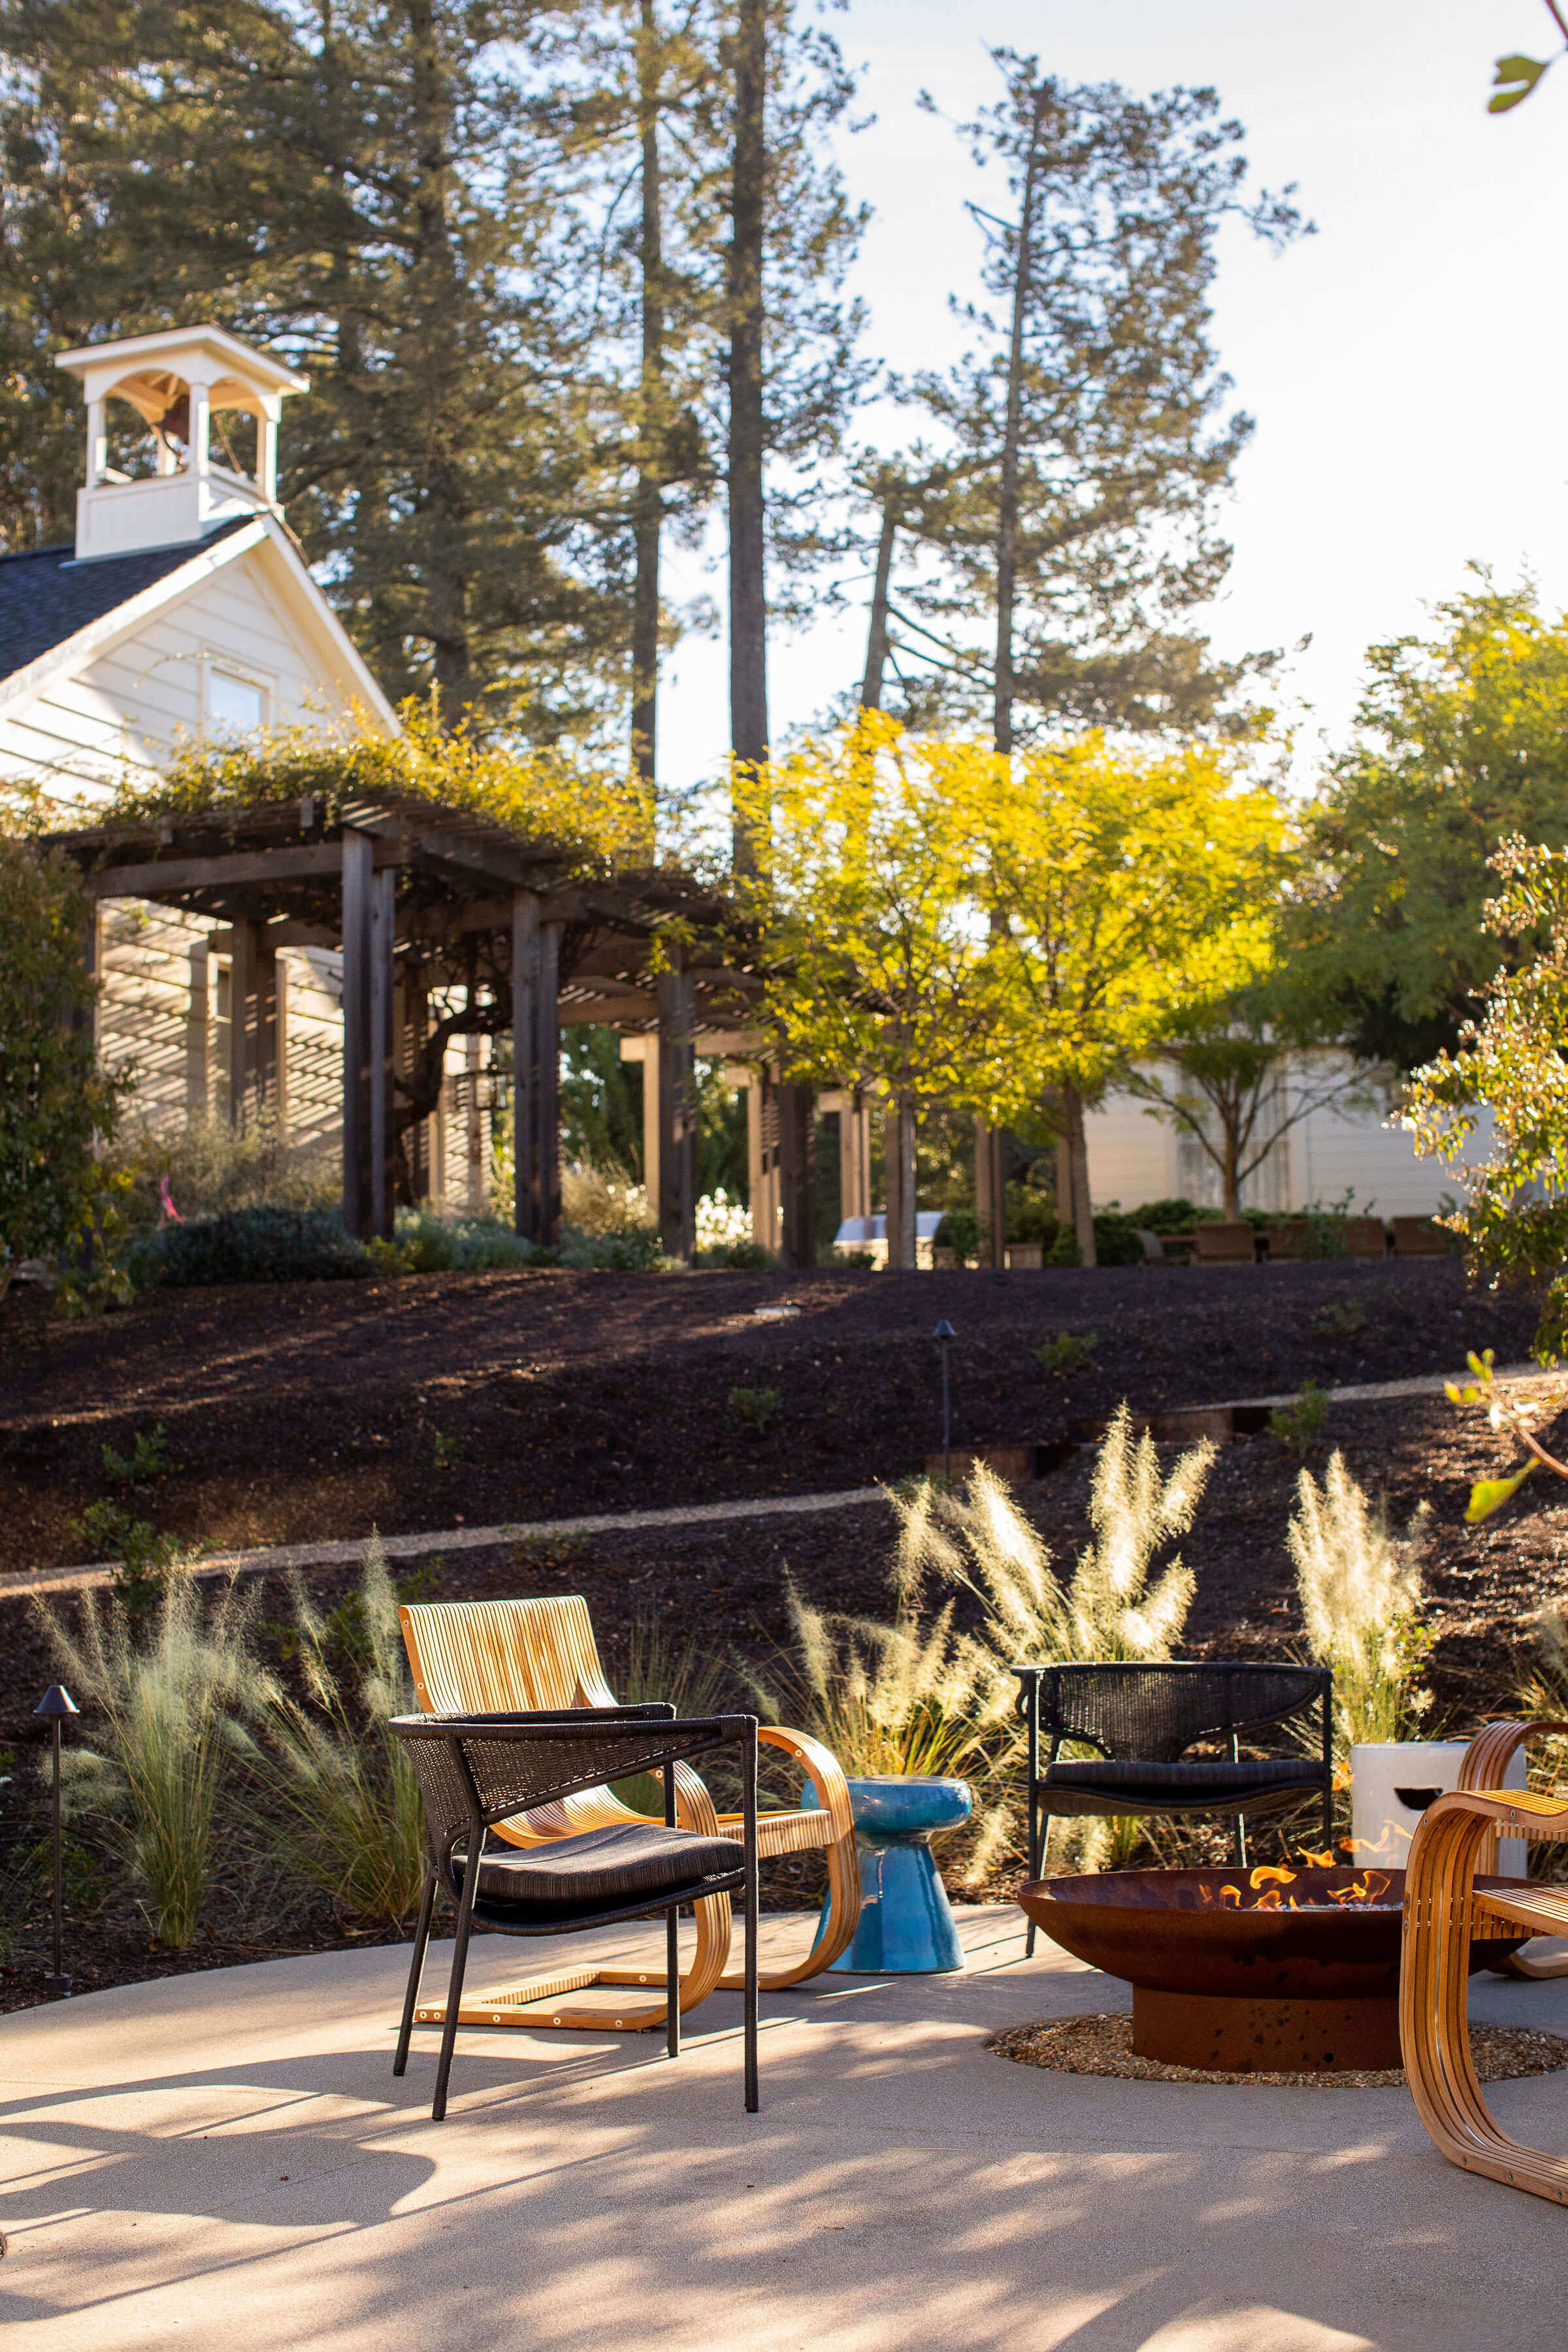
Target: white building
1324, 1155
182, 610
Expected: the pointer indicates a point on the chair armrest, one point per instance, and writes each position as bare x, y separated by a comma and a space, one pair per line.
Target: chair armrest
822, 1769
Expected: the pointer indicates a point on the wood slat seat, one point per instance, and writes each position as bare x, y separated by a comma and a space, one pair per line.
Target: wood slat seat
1455, 1837
488, 1656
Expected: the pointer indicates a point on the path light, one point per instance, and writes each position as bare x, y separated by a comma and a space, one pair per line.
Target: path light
54, 1706
944, 1336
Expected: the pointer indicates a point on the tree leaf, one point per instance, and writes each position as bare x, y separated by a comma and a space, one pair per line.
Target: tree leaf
1526, 71
1490, 1493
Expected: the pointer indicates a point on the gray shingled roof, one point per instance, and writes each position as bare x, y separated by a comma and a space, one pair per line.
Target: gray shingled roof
45, 596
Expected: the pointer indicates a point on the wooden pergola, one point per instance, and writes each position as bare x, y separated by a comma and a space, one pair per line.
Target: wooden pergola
425, 900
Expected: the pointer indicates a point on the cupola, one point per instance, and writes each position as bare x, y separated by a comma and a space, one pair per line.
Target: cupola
179, 383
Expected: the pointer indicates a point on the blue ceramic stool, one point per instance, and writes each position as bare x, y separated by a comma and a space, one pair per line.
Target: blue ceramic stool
905, 1927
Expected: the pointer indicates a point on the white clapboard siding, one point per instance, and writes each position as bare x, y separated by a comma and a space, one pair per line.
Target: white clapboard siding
1331, 1153
128, 708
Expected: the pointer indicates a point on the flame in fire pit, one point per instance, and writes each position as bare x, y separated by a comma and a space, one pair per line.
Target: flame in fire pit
1268, 1881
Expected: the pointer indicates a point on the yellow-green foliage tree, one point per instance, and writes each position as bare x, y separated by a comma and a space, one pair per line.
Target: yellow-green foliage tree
1003, 935
1120, 887
866, 904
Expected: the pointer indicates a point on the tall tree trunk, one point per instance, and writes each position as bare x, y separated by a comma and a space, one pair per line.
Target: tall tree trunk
435, 275
1008, 501
877, 637
748, 601
1074, 1146
648, 500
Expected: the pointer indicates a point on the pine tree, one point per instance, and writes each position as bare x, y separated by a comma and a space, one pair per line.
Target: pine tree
369, 190
792, 377
1085, 432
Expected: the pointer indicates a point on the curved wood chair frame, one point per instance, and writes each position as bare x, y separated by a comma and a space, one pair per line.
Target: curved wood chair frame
1443, 1905
1485, 1766
492, 1656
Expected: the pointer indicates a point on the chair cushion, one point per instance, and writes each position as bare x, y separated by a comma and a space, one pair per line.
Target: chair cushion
610, 1866
1186, 1785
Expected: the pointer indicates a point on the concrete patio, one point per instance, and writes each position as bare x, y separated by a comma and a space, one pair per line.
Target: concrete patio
225, 2160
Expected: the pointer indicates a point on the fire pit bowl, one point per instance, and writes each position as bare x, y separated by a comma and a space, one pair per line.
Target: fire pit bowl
1249, 1971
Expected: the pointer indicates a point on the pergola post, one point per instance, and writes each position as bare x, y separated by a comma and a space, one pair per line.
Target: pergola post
991, 1192
382, 983
898, 1166
677, 1080
547, 1087
198, 1034
798, 1159
762, 1158
368, 915
524, 1048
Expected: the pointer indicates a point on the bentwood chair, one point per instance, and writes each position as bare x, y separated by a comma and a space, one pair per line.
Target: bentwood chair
1443, 1908
1142, 1719
476, 1656
476, 1770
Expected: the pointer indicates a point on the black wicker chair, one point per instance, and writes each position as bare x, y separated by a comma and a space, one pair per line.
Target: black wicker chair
477, 1769
1142, 1719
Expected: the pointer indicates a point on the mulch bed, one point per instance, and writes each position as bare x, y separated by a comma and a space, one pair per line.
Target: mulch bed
1104, 2045
302, 1412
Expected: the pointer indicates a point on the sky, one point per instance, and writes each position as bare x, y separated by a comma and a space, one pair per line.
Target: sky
1405, 366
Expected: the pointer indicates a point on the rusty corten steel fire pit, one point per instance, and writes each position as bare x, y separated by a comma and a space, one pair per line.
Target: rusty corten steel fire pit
1249, 1971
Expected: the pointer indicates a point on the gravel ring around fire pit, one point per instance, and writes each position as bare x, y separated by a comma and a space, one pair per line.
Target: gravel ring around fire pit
1104, 2045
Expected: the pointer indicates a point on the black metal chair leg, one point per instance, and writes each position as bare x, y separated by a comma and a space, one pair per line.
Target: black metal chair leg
460, 1962
1241, 1840
672, 1984
416, 1970
1037, 1863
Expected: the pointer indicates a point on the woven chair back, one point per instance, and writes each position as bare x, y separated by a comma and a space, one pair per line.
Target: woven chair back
1154, 1714
495, 1769
484, 1656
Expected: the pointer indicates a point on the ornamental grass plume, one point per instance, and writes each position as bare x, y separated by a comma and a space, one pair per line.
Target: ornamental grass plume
1109, 1609
896, 1700
156, 1783
338, 1801
1359, 1590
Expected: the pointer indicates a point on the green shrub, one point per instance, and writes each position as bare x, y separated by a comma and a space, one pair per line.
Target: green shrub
427, 1243
211, 1165
144, 1560
1116, 1240
1064, 1250
747, 1257
1176, 1216
256, 1245
1300, 1425
146, 1460
1341, 1319
1069, 1351
959, 1232
755, 1409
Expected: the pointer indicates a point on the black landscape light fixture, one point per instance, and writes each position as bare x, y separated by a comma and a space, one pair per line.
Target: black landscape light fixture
54, 1706
945, 1334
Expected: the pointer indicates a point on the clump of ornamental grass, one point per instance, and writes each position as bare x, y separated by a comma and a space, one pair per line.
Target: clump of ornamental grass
1359, 1590
919, 1695
1123, 1600
895, 1700
1119, 1601
155, 1781
338, 1801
